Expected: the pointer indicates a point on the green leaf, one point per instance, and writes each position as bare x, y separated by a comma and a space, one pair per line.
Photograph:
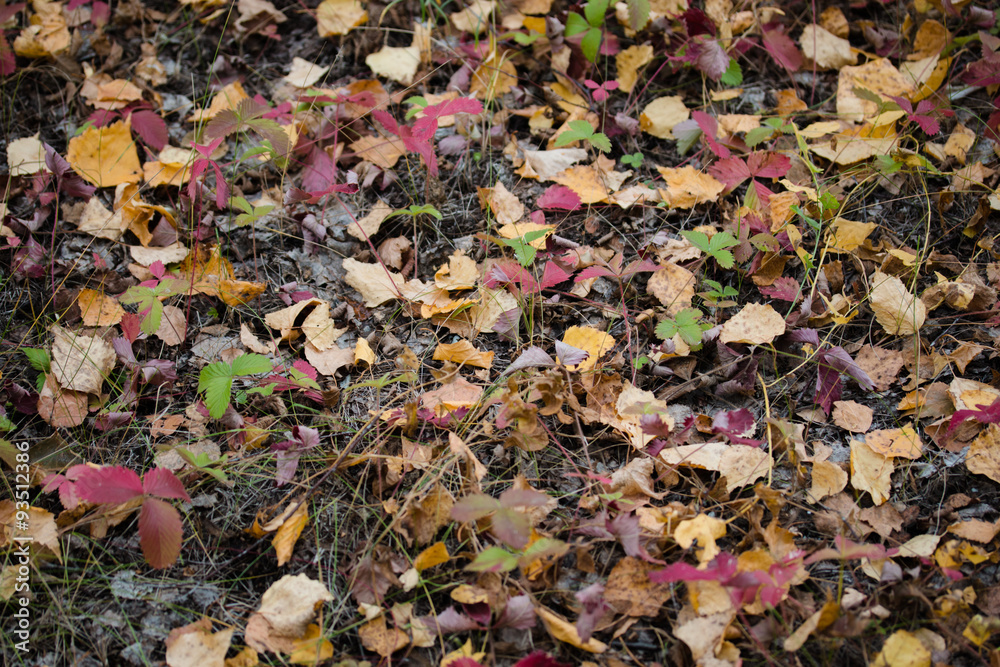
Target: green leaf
418, 102
241, 203
733, 76
579, 130
38, 358
601, 142
721, 240
634, 160
251, 364
638, 14
543, 548
591, 44
595, 10
724, 258
688, 326
527, 39
575, 24
414, 210
216, 380
758, 135
494, 559
698, 239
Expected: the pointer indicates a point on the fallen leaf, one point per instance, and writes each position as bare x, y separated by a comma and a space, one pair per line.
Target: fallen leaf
459, 393
519, 230
369, 225
983, 457
902, 649
195, 645
460, 273
659, 117
458, 447
741, 464
377, 637
593, 183
494, 77
506, 207
629, 61
687, 187
288, 534
436, 554
826, 49
59, 407
338, 17
26, 156
673, 286
847, 235
170, 254
475, 18
40, 528
629, 590
330, 360
566, 632
596, 343
896, 309
377, 285
363, 352
828, 479
704, 635
706, 530
81, 363
399, 63
546, 165
286, 611
383, 152
98, 309
302, 73
463, 352
852, 416
896, 443
755, 324
959, 142
878, 76
870, 472
105, 156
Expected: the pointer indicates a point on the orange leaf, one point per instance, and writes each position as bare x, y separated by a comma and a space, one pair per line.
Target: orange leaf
105, 156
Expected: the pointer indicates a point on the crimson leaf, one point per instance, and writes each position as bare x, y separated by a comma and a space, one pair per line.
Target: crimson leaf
164, 483
160, 533
112, 485
150, 128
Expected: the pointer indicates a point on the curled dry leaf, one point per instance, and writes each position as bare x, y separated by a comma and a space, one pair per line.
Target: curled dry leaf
741, 464
286, 610
59, 407
377, 285
630, 591
566, 632
896, 309
463, 352
81, 363
871, 472
460, 273
288, 534
506, 207
378, 637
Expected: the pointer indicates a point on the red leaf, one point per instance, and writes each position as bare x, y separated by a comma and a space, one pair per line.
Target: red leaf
767, 164
926, 123
130, 325
783, 289
160, 533
163, 483
8, 64
559, 197
539, 659
387, 121
709, 128
150, 128
731, 171
319, 170
452, 107
782, 48
552, 275
112, 485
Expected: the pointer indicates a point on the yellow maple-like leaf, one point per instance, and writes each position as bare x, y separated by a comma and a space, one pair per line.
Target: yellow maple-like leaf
706, 530
105, 156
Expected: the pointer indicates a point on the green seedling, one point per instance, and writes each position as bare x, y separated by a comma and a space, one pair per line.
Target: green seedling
216, 380
687, 323
251, 214
714, 247
581, 130
524, 252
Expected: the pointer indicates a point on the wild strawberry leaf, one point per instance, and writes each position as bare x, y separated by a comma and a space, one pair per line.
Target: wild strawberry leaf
782, 48
151, 128
163, 483
160, 533
709, 57
559, 197
474, 507
110, 485
511, 527
494, 559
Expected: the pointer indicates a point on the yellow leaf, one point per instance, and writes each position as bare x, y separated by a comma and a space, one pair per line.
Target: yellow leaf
870, 472
463, 352
903, 649
880, 77
660, 116
433, 555
566, 632
466, 651
312, 648
706, 530
596, 343
381, 639
338, 17
99, 310
629, 62
896, 443
286, 537
896, 309
687, 187
105, 156
755, 324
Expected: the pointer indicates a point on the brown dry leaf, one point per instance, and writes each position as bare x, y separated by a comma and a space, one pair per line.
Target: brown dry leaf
383, 152
47, 36
170, 254
368, 226
173, 326
635, 481
436, 554
105, 156
459, 393
26, 156
99, 310
385, 641
463, 352
673, 286
833, 19
789, 102
959, 142
687, 187
902, 649
850, 148
880, 77
975, 530
706, 530
847, 235
377, 285
896, 443
286, 536
896, 309
828, 479
100, 222
734, 123
286, 611
338, 17
704, 635
460, 273
41, 527
983, 457
61, 408
826, 49
629, 62
495, 76
195, 645
81, 363
480, 317
566, 632
429, 514
592, 341
330, 360
660, 116
629, 590
755, 324
741, 464
458, 447
870, 472
506, 207
852, 416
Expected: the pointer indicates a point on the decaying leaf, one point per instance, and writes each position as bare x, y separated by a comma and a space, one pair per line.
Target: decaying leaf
195, 645
81, 363
755, 324
898, 311
286, 611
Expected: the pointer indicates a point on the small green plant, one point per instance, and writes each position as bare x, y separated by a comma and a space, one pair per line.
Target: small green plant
714, 247
202, 462
590, 25
767, 129
216, 380
413, 210
148, 297
581, 130
633, 160
687, 323
40, 361
716, 292
251, 214
524, 252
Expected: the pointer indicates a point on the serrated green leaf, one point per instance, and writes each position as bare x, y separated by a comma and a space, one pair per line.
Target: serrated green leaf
638, 14
733, 76
575, 24
579, 130
494, 559
698, 239
666, 329
758, 135
542, 548
241, 203
721, 240
38, 358
633, 160
591, 44
601, 142
216, 380
251, 364
724, 258
594, 10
